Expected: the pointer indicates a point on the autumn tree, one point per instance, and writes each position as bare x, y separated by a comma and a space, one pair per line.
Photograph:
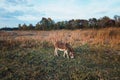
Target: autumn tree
117, 20
102, 21
30, 27
19, 27
92, 23
24, 27
50, 24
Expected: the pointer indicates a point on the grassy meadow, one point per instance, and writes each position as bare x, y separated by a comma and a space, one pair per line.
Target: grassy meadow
29, 55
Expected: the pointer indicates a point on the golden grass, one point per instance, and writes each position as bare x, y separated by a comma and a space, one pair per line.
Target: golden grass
106, 36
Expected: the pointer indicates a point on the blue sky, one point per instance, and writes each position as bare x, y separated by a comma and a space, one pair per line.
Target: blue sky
13, 12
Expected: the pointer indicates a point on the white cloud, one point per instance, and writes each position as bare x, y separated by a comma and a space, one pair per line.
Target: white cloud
28, 18
62, 8
68, 10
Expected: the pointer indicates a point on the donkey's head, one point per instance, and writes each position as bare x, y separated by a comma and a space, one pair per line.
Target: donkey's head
71, 54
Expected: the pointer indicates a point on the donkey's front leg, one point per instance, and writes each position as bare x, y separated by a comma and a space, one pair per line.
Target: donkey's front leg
66, 52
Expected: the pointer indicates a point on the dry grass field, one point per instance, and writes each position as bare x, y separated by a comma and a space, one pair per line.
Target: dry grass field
28, 55
108, 36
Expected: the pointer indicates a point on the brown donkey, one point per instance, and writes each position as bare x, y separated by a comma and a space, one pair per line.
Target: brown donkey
68, 50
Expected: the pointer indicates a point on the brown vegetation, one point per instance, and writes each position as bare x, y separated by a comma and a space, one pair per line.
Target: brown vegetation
107, 36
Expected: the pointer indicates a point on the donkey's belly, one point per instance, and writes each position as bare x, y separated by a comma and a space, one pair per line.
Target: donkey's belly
61, 49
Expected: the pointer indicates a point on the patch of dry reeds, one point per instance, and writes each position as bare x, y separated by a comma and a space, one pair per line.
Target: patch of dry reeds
106, 36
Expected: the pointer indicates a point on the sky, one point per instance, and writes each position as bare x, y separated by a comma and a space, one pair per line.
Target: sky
14, 12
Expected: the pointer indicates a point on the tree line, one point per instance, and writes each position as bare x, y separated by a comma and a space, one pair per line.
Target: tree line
92, 23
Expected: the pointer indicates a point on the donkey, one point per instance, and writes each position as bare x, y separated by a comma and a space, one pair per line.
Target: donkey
68, 50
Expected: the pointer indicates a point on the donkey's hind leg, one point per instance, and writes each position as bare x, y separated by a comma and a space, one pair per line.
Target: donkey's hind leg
55, 52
